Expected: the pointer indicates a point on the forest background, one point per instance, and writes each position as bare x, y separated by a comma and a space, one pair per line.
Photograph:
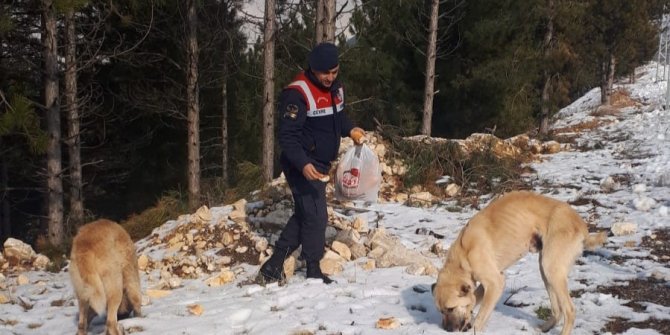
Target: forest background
110, 107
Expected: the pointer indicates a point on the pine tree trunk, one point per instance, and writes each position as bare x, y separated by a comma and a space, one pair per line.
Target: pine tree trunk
325, 21
607, 80
548, 36
73, 122
268, 90
5, 215
224, 123
544, 111
193, 107
603, 83
431, 54
51, 103
610, 78
318, 23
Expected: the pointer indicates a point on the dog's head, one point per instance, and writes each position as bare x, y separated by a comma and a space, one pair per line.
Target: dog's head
455, 298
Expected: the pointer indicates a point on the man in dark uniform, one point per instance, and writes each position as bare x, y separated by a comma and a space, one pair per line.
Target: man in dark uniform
312, 122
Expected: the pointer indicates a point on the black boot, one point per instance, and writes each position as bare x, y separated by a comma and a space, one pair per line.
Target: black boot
314, 271
273, 269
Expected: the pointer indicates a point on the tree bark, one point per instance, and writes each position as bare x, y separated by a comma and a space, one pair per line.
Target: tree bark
268, 91
52, 107
325, 21
73, 122
544, 111
5, 216
193, 106
548, 37
224, 123
431, 55
607, 79
610, 77
318, 23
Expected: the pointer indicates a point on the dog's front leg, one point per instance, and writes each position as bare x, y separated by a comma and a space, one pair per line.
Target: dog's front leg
493, 288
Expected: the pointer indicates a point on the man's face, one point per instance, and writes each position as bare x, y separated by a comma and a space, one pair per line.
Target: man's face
326, 78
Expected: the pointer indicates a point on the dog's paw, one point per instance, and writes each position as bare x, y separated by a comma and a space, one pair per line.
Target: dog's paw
547, 325
466, 327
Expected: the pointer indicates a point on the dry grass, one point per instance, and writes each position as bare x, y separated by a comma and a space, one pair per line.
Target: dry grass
580, 127
621, 98
140, 225
479, 172
606, 111
249, 178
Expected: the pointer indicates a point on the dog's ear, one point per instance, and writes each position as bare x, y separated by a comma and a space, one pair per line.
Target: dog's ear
465, 289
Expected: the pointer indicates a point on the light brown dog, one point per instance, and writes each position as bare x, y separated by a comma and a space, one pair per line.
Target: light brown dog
497, 237
103, 269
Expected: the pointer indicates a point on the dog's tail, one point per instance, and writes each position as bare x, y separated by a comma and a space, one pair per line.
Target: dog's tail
88, 283
593, 241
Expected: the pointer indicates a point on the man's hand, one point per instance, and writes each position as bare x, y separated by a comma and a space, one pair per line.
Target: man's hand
358, 135
311, 173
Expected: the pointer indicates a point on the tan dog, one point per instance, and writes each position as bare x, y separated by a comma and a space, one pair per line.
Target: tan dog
496, 238
103, 269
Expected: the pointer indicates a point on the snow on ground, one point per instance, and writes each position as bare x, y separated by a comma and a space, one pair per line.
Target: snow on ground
631, 148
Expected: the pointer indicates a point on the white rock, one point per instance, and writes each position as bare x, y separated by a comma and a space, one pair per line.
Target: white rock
644, 203
22, 280
608, 184
452, 189
195, 309
342, 249
360, 224
224, 277
261, 245
401, 197
330, 266
17, 250
415, 269
174, 282
551, 147
623, 228
40, 262
142, 262
348, 236
639, 188
387, 323
358, 250
421, 198
202, 215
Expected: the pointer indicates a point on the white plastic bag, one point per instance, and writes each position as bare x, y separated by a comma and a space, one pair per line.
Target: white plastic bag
358, 175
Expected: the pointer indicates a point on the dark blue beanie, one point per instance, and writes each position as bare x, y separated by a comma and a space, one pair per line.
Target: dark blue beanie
323, 57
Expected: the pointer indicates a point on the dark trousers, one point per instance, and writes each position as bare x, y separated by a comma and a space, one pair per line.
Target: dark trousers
307, 225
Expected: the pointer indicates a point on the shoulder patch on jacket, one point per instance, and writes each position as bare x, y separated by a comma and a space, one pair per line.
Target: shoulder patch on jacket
291, 112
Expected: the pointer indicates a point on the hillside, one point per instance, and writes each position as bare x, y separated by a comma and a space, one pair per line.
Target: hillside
612, 168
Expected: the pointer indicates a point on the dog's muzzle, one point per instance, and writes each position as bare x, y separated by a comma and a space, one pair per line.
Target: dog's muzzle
456, 322
457, 326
